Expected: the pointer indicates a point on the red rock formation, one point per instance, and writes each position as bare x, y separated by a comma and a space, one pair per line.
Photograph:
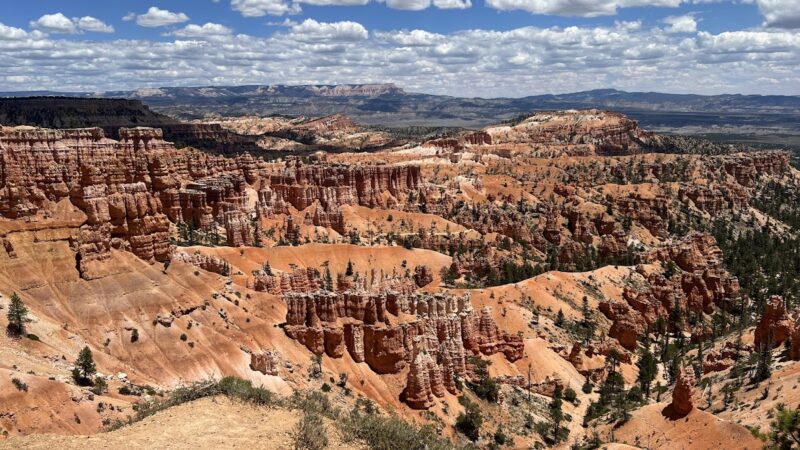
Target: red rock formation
423, 276
724, 358
596, 131
206, 262
699, 286
424, 378
238, 229
434, 334
266, 362
302, 185
682, 402
775, 326
129, 189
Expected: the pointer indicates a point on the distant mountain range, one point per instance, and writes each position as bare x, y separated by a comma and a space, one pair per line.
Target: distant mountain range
756, 116
387, 100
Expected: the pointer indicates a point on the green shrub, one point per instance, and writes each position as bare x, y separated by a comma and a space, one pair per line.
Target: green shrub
380, 432
126, 390
469, 422
100, 386
570, 395
230, 386
19, 384
244, 390
315, 402
309, 433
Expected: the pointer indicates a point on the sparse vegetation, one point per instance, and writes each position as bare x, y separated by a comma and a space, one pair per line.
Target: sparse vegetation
470, 421
19, 384
84, 367
17, 316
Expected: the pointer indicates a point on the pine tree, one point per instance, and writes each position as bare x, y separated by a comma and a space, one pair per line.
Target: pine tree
699, 365
559, 322
84, 367
785, 429
648, 369
328, 279
764, 364
17, 316
349, 271
556, 414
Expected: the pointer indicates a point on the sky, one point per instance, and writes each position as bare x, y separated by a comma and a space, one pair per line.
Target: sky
466, 48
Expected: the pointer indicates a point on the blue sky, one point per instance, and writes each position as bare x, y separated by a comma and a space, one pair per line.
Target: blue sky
714, 17
486, 47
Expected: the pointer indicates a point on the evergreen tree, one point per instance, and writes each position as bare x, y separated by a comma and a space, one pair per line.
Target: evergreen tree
785, 429
559, 322
470, 421
349, 271
764, 364
17, 316
557, 415
648, 369
84, 367
328, 279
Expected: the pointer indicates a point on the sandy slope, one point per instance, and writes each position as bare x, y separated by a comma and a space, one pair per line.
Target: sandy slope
210, 423
651, 428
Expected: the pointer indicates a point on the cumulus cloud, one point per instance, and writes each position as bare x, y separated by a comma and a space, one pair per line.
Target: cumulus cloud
91, 24
452, 4
157, 17
54, 23
580, 8
681, 24
522, 61
206, 30
258, 8
414, 38
780, 13
311, 30
11, 33
408, 5
60, 24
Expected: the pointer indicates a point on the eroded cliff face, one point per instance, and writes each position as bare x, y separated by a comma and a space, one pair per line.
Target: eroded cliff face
576, 133
696, 282
133, 190
301, 185
433, 335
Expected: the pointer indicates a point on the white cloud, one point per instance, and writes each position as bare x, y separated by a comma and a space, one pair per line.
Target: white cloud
452, 4
414, 38
581, 8
485, 63
60, 24
681, 24
156, 17
54, 23
311, 30
206, 30
408, 5
12, 34
91, 24
334, 2
258, 8
780, 13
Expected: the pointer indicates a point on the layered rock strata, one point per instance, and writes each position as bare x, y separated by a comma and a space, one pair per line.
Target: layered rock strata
432, 335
